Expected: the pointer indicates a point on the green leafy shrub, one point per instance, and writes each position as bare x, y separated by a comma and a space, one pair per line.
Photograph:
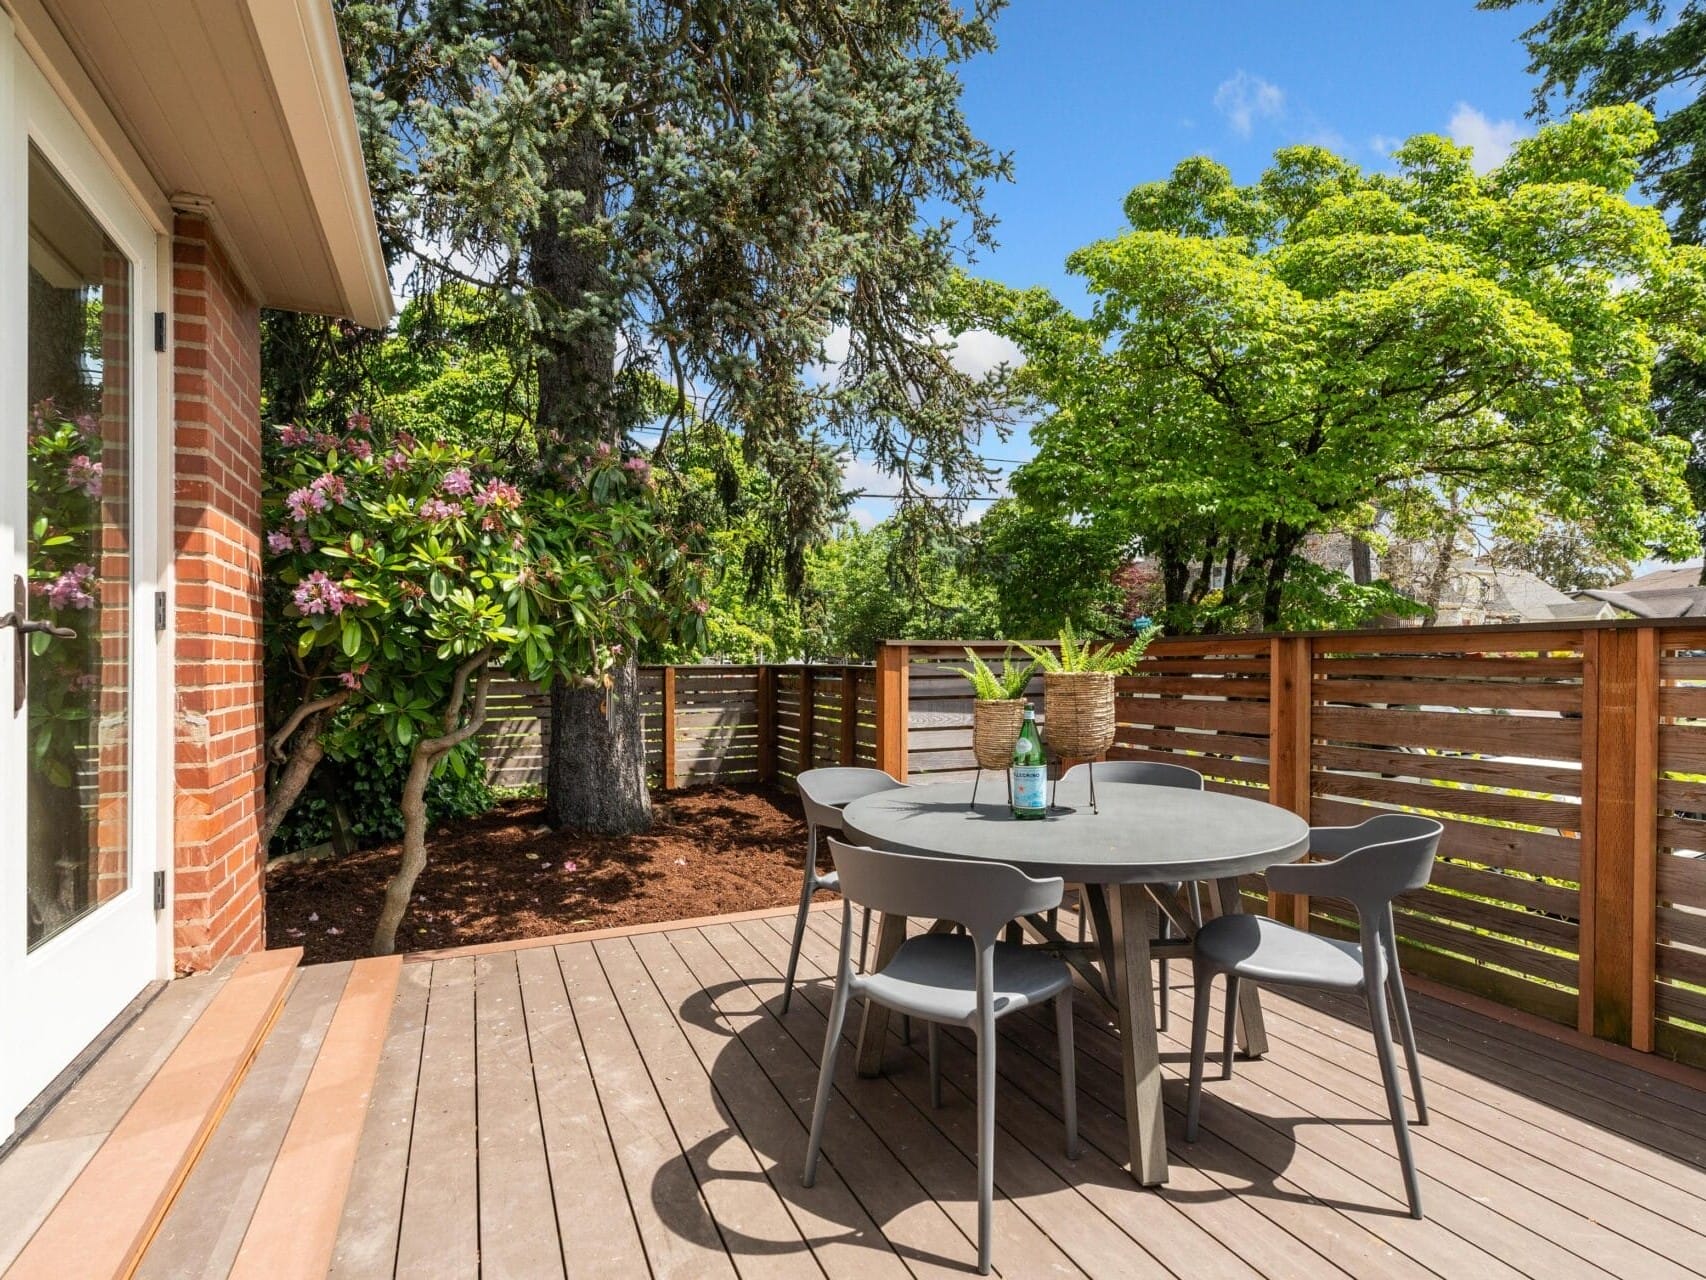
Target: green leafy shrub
370, 785
1083, 657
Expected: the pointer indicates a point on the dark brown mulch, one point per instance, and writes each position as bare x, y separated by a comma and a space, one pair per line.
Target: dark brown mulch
505, 875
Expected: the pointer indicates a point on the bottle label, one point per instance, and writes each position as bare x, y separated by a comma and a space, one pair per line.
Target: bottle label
1030, 788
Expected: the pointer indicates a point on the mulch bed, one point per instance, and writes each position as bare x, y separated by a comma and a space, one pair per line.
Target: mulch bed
505, 875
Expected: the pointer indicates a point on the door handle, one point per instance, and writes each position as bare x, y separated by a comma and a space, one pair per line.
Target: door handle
30, 626
26, 626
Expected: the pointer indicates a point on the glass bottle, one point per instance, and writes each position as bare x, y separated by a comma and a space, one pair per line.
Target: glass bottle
1030, 771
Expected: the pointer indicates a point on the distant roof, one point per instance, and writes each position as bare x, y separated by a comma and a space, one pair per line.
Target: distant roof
1687, 602
1670, 578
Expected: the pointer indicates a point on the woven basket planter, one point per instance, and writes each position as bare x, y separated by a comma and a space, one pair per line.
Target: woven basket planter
1080, 714
995, 726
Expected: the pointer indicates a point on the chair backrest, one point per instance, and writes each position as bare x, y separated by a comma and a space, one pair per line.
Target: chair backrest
825, 792
1139, 771
1376, 860
983, 896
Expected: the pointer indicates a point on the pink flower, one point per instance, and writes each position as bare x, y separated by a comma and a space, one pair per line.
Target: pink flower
603, 449
359, 449
305, 502
332, 486
292, 435
357, 421
84, 474
352, 679
70, 590
396, 461
279, 542
458, 482
304, 543
700, 606
438, 509
498, 495
639, 466
325, 441
318, 594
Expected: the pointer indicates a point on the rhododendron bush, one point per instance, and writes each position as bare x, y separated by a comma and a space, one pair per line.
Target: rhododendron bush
402, 574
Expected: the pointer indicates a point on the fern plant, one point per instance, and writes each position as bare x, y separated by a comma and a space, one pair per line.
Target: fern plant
989, 686
1084, 657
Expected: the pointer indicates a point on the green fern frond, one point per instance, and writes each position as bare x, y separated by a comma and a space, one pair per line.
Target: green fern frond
1082, 656
989, 686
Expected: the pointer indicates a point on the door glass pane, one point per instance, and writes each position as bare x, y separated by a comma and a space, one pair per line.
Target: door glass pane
79, 558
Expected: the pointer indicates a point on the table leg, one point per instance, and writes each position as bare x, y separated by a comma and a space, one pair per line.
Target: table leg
1134, 922
874, 1025
1252, 1034
1100, 925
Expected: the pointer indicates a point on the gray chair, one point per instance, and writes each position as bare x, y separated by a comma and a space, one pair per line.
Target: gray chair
1372, 864
824, 793
1147, 774
964, 980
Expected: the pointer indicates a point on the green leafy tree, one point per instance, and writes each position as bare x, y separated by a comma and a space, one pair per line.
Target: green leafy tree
1591, 53
1271, 361
707, 193
1047, 572
857, 598
404, 574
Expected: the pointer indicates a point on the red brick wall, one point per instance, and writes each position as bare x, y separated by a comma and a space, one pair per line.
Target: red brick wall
218, 729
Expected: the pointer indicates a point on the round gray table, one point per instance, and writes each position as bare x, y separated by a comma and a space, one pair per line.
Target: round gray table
1141, 835
1141, 838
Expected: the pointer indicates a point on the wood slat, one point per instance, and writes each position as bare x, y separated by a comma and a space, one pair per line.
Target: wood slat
1530, 737
295, 1226
1448, 799
108, 1215
1510, 695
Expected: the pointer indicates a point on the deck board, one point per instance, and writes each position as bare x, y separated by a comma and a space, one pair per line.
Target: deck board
636, 1105
38, 1170
206, 1224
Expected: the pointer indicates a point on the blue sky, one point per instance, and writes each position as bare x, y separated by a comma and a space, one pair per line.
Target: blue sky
1092, 97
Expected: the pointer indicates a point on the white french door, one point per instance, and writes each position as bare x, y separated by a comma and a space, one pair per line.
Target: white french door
81, 772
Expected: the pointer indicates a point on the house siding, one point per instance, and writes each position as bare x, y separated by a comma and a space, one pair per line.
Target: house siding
218, 731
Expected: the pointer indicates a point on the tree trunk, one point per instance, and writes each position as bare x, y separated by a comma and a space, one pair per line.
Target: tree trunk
426, 754
1362, 561
596, 775
298, 748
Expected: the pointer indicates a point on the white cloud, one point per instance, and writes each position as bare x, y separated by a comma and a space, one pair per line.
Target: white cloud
1491, 140
1245, 98
1384, 144
977, 351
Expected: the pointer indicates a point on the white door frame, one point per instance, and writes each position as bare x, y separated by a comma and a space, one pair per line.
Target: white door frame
56, 999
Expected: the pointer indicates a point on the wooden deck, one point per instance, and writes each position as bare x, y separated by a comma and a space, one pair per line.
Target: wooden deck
632, 1105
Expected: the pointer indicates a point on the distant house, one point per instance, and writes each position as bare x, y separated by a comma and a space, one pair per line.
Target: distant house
1480, 593
1671, 592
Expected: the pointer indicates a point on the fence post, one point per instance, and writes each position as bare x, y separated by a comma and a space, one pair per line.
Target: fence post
1289, 741
808, 718
893, 702
849, 715
766, 723
1620, 729
667, 729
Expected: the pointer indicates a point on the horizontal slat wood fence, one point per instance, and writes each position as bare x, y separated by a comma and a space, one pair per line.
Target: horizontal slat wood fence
1567, 764
709, 723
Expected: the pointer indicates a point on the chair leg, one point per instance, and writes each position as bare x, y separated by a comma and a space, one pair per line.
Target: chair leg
1199, 1049
825, 1080
1382, 1023
806, 889
1231, 1041
1068, 1070
1166, 934
1401, 1004
933, 1039
864, 941
985, 1137
906, 1028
